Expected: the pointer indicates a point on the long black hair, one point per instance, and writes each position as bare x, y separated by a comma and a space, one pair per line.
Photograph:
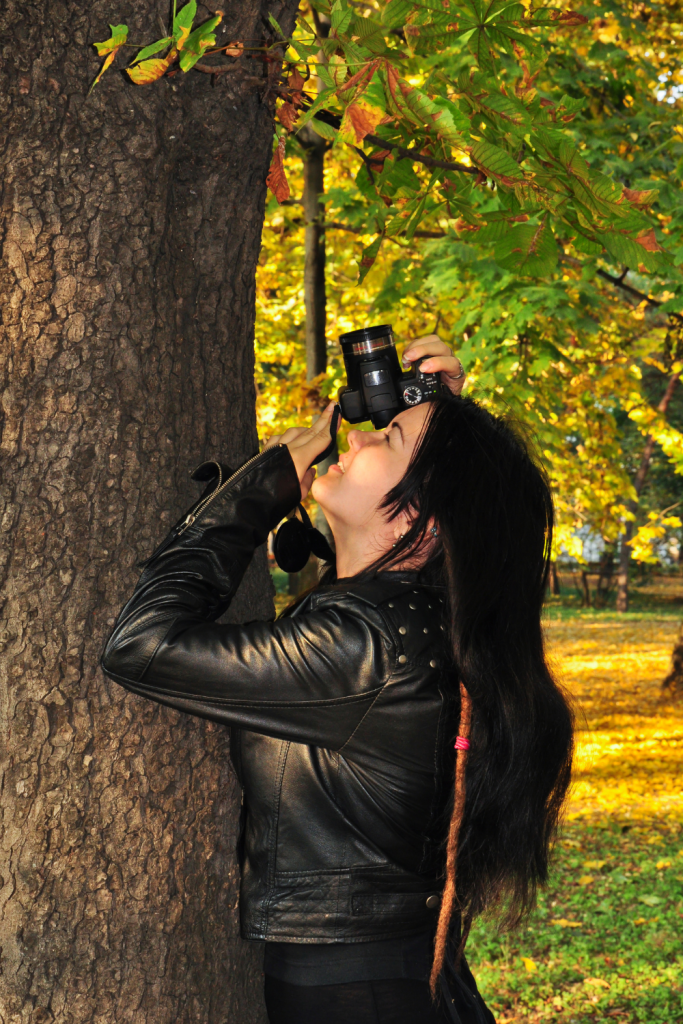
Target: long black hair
475, 477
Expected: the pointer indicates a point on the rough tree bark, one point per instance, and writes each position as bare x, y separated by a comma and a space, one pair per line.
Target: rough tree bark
130, 226
638, 483
314, 269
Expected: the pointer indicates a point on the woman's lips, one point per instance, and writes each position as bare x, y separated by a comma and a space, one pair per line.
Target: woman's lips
337, 468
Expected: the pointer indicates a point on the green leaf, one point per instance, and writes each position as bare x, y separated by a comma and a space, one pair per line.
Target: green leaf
304, 50
326, 130
341, 16
198, 42
396, 12
324, 75
368, 257
322, 101
587, 245
529, 249
626, 250
182, 23
153, 48
496, 163
276, 26
571, 159
650, 901
119, 34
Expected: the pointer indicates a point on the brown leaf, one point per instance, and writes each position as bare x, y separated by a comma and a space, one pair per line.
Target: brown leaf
361, 77
295, 80
392, 79
641, 197
463, 225
234, 49
362, 118
379, 158
569, 17
277, 179
648, 241
287, 115
524, 84
295, 84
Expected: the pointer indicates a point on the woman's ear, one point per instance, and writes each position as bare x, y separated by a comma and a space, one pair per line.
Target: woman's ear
401, 526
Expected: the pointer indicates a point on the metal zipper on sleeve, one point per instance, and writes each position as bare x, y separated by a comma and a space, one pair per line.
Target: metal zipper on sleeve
193, 516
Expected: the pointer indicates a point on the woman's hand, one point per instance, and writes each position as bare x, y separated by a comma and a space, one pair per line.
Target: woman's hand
441, 360
305, 444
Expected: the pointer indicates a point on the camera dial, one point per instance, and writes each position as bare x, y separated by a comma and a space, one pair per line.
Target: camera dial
412, 395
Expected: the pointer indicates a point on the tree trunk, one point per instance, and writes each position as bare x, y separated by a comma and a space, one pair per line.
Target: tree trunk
130, 225
605, 577
314, 269
638, 483
555, 588
674, 680
585, 590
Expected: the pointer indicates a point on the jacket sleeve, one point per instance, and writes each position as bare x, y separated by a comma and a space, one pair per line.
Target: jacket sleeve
309, 678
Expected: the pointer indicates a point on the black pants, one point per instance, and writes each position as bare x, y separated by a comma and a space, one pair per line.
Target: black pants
360, 1002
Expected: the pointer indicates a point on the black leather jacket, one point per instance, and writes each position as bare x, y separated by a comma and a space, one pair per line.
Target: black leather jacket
337, 713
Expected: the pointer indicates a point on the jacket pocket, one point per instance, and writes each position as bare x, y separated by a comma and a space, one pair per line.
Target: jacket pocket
368, 904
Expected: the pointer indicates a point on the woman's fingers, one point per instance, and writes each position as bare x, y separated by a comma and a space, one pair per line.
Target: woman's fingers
439, 359
429, 345
305, 444
306, 483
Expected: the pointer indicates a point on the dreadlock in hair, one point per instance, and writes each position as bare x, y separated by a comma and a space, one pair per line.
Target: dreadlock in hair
474, 476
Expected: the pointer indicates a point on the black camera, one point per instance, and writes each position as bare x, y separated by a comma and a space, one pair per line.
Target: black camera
377, 387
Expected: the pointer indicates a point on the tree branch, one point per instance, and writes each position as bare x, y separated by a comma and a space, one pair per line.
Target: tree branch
619, 282
404, 154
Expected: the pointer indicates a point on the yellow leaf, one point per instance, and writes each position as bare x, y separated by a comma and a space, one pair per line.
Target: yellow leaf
640, 920
119, 34
529, 964
562, 922
586, 880
663, 864
107, 63
597, 982
594, 865
182, 37
110, 47
149, 70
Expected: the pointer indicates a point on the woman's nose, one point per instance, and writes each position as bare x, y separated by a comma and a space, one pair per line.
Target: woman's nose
359, 438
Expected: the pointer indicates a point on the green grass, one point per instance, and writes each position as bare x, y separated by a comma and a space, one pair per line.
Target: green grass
616, 953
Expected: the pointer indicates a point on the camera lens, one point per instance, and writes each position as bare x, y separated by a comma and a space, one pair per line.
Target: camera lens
367, 341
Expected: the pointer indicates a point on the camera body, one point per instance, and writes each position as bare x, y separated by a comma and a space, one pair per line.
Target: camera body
377, 387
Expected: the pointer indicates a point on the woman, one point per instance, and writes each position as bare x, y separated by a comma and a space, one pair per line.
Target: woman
345, 709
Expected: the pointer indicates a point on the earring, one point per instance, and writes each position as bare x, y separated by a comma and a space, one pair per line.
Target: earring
397, 541
434, 532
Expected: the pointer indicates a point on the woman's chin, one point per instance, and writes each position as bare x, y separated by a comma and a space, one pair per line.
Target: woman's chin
323, 485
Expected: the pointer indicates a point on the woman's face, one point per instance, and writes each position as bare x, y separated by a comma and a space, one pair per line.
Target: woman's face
351, 491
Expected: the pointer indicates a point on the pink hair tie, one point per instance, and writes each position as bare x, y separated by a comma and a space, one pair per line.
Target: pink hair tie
462, 743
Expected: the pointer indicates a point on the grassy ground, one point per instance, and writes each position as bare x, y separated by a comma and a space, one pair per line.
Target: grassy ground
605, 941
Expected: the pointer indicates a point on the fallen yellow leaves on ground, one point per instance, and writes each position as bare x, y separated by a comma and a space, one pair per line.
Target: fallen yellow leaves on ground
629, 760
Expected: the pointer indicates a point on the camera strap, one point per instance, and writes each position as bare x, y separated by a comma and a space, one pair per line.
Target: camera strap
296, 540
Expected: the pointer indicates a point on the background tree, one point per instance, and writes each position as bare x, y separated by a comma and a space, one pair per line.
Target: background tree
130, 226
